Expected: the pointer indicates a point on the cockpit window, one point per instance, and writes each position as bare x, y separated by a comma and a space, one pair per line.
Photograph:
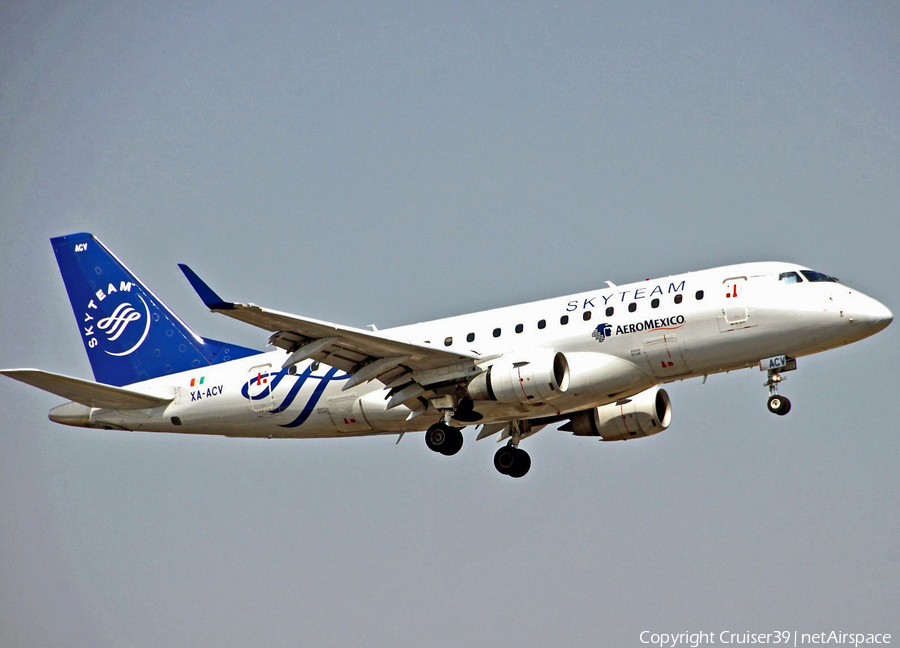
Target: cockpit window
789, 277
812, 275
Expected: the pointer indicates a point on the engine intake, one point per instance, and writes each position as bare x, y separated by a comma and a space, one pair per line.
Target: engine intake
649, 412
528, 378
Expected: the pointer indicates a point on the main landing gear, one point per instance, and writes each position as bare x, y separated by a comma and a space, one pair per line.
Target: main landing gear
511, 459
444, 438
777, 404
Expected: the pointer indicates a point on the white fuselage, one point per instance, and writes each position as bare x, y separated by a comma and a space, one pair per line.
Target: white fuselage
618, 341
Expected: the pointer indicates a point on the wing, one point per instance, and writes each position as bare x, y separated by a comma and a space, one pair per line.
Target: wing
86, 392
408, 369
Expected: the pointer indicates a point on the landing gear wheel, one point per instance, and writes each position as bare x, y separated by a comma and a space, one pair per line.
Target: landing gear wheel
444, 438
512, 461
504, 459
454, 442
521, 464
779, 405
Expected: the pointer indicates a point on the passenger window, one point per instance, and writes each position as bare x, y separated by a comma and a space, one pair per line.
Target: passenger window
470, 337
678, 298
564, 320
448, 341
519, 328
632, 307
496, 332
698, 295
789, 277
586, 315
654, 303
609, 311
542, 324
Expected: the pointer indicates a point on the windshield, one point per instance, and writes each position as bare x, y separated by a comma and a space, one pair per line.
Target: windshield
789, 277
812, 275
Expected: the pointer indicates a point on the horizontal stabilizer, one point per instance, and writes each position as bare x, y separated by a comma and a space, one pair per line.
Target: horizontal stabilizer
85, 392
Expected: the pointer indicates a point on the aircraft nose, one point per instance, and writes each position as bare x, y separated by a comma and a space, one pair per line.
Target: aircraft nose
873, 315
883, 315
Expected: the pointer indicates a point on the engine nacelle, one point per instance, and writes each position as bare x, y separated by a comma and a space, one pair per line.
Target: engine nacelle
531, 377
649, 412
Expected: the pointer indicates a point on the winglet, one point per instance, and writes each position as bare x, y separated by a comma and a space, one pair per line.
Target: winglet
207, 294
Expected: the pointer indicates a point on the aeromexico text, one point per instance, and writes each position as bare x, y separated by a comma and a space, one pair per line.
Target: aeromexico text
645, 292
651, 325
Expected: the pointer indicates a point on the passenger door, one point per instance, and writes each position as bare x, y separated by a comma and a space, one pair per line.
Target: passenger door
734, 313
259, 388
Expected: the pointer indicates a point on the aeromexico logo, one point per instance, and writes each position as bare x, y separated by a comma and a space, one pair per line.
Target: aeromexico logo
125, 327
604, 331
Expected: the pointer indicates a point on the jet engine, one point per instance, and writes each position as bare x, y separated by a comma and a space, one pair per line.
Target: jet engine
531, 377
649, 412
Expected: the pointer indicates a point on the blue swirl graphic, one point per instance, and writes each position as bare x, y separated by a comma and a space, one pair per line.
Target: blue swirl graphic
314, 398
289, 398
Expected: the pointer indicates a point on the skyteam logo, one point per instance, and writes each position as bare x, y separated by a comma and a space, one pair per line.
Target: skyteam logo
115, 324
602, 332
116, 320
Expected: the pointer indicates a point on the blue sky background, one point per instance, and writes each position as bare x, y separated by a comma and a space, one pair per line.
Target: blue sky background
397, 163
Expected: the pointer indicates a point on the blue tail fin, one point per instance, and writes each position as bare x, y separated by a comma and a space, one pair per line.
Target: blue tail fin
128, 332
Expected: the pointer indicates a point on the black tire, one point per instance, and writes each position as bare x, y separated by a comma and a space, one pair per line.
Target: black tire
454, 442
444, 439
779, 405
435, 437
521, 464
505, 459
785, 406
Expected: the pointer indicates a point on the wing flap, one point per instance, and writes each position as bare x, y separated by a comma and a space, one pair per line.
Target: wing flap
85, 392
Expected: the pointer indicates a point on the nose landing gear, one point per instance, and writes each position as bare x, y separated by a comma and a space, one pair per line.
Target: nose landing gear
777, 404
776, 365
